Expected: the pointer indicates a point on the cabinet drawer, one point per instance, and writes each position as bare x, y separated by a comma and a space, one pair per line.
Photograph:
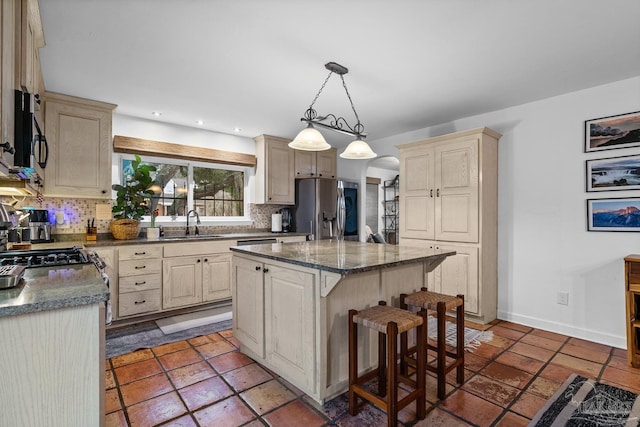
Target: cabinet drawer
139, 283
139, 252
142, 266
139, 302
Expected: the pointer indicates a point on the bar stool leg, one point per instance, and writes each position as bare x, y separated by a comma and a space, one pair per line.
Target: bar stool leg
382, 361
442, 350
353, 362
421, 368
392, 377
404, 344
460, 340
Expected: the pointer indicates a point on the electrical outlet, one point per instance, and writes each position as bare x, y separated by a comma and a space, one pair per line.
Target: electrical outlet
563, 298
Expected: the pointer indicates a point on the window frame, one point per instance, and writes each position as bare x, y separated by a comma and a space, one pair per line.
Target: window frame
169, 221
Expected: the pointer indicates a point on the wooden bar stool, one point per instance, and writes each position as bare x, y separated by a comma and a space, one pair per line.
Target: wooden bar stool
426, 301
389, 321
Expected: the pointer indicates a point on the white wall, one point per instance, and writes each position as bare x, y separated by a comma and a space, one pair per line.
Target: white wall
544, 247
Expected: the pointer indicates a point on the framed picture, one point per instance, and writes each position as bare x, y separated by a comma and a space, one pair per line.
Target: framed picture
608, 133
621, 214
616, 173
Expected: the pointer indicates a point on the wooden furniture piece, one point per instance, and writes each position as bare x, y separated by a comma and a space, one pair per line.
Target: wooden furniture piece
139, 280
632, 292
431, 301
449, 202
274, 171
388, 322
312, 164
390, 217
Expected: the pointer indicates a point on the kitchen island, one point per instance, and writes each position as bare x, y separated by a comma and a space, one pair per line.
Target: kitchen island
52, 329
291, 300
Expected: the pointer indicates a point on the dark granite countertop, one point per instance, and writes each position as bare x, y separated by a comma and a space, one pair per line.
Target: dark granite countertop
51, 288
344, 257
107, 240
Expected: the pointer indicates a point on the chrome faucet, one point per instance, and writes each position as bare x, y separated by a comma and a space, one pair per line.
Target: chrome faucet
196, 232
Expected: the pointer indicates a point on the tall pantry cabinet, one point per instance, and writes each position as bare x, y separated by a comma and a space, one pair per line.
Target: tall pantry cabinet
449, 202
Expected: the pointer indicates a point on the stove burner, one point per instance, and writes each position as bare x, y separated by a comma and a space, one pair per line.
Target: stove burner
45, 257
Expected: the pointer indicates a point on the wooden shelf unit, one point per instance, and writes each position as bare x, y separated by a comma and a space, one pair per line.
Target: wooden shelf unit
632, 291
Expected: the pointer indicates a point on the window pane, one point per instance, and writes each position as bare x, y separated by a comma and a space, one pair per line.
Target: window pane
218, 192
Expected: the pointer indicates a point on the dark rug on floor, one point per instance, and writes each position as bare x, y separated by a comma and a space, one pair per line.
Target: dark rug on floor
586, 403
146, 335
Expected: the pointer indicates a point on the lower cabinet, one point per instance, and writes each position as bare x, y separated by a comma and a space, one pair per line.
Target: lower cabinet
274, 317
139, 283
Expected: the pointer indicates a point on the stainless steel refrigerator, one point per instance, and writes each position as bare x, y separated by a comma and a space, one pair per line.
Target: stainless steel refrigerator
315, 210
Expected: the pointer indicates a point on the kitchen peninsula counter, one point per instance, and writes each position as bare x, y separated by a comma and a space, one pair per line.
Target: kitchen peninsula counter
291, 300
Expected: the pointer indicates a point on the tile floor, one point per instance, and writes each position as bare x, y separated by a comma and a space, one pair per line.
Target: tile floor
206, 381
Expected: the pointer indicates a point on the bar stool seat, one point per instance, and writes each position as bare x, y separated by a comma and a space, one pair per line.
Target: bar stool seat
388, 322
427, 301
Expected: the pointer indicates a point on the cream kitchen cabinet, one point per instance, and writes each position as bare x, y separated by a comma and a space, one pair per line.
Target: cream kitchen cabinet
274, 171
195, 273
274, 310
139, 280
30, 40
312, 164
79, 135
449, 199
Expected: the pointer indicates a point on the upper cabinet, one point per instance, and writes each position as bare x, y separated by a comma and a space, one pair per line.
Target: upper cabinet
274, 171
79, 135
312, 164
30, 41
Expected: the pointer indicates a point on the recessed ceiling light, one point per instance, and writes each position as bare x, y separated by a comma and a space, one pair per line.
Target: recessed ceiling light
199, 122
156, 113
237, 129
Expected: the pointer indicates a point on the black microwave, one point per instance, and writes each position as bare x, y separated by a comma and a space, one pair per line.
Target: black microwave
29, 142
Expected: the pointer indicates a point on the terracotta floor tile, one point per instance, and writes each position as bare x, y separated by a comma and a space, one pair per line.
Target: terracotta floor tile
550, 335
487, 351
229, 361
230, 412
472, 408
556, 373
234, 342
528, 404
590, 345
217, 336
621, 362
191, 374
440, 418
532, 351
184, 421
157, 410
145, 388
507, 374
585, 353
112, 401
622, 377
246, 377
541, 342
519, 361
179, 359
295, 414
619, 352
517, 327
474, 363
580, 366
205, 393
170, 348
129, 358
265, 397
513, 420
500, 342
491, 390
512, 334
197, 341
543, 387
116, 419
214, 349
136, 371
109, 380
227, 333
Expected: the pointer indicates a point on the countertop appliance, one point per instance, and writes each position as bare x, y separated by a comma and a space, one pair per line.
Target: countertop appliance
39, 226
30, 144
315, 208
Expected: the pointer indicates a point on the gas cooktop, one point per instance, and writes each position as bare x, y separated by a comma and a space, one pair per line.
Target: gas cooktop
45, 257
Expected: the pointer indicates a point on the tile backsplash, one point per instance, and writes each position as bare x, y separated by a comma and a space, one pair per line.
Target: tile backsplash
78, 211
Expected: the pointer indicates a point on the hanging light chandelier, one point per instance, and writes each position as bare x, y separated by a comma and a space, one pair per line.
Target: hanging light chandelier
310, 139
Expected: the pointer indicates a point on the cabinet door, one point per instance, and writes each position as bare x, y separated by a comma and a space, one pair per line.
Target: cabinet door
305, 163
289, 322
456, 183
458, 274
216, 277
326, 163
181, 282
79, 150
280, 180
417, 194
248, 304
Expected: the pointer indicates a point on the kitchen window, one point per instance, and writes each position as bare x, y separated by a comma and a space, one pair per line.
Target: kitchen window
216, 192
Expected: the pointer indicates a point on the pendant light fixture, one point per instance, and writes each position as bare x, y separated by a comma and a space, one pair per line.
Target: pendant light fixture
310, 139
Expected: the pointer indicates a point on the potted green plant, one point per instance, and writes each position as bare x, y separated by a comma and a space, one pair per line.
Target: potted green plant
132, 200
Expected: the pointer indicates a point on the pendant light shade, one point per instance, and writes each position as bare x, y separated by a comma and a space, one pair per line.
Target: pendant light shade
309, 139
358, 149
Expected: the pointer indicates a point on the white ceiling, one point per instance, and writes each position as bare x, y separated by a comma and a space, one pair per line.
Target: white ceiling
257, 64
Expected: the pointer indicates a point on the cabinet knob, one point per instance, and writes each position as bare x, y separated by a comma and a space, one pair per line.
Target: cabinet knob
206, 260
319, 174
266, 270
431, 193
199, 260
140, 302
257, 268
104, 191
438, 192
